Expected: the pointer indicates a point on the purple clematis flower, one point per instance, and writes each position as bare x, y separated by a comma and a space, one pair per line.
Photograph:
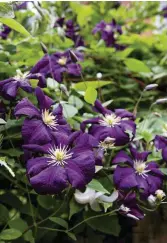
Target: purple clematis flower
112, 127
160, 143
65, 161
71, 30
41, 124
57, 64
136, 172
129, 207
109, 31
5, 32
9, 87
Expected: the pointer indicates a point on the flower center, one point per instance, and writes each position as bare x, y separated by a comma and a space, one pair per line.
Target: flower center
49, 119
110, 120
20, 76
62, 61
108, 28
59, 155
140, 167
108, 143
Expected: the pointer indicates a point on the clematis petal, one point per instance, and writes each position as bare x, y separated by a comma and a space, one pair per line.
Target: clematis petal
25, 107
44, 101
142, 156
122, 157
46, 180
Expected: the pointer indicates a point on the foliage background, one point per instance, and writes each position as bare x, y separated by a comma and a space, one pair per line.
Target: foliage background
124, 76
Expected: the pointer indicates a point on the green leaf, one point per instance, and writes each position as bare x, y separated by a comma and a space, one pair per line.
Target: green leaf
74, 207
46, 202
59, 221
75, 101
123, 54
10, 234
164, 170
90, 95
135, 65
97, 186
34, 82
82, 86
12, 152
13, 24
21, 225
2, 121
6, 10
71, 235
105, 224
4, 214
69, 110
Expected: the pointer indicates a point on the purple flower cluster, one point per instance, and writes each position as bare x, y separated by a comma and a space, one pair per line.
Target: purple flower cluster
5, 32
109, 33
57, 64
71, 30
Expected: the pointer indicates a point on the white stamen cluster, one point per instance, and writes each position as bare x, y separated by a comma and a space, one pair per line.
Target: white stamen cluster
110, 120
140, 167
108, 28
20, 76
108, 143
62, 61
59, 155
49, 119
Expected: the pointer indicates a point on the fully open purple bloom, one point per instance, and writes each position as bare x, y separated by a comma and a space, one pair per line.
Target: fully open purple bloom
129, 207
65, 161
136, 172
5, 32
57, 64
41, 124
114, 126
160, 143
109, 31
9, 87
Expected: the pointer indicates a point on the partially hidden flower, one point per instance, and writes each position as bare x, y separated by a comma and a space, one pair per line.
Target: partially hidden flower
41, 124
128, 206
57, 64
5, 32
65, 161
70, 29
135, 172
109, 33
93, 198
160, 143
10, 86
111, 128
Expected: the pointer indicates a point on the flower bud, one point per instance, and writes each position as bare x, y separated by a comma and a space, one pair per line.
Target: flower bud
161, 101
160, 194
150, 87
44, 48
74, 58
151, 200
99, 75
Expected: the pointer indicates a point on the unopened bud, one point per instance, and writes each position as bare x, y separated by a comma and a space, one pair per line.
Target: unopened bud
44, 48
74, 58
64, 89
99, 75
161, 101
160, 194
150, 87
151, 200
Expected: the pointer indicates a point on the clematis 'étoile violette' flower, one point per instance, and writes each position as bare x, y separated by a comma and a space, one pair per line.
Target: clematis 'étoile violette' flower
112, 127
65, 161
9, 87
128, 206
109, 32
71, 30
40, 124
135, 171
160, 143
57, 64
